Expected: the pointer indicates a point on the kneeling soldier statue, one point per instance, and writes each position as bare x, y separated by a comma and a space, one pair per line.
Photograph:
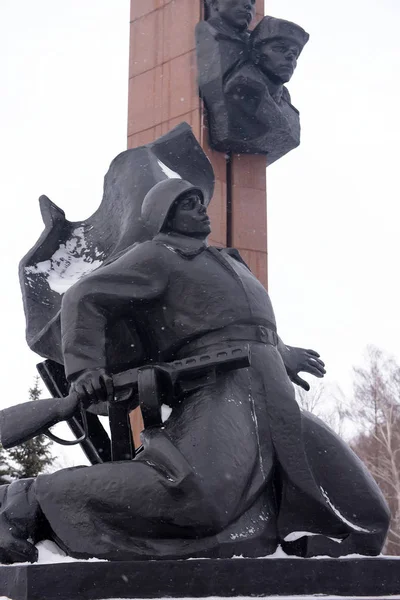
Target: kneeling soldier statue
237, 468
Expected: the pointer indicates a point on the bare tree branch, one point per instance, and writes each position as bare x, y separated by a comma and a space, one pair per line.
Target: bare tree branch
375, 409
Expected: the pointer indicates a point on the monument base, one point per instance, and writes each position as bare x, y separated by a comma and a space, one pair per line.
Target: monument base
356, 577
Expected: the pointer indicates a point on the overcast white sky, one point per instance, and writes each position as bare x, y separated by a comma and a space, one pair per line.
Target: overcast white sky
333, 203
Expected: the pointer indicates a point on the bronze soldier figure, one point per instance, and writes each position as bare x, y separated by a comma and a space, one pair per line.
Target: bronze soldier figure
237, 468
222, 42
242, 76
266, 120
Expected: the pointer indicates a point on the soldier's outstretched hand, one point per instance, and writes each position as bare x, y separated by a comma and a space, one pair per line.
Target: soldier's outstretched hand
93, 386
297, 360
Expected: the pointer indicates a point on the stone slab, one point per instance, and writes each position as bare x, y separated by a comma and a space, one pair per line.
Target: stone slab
374, 577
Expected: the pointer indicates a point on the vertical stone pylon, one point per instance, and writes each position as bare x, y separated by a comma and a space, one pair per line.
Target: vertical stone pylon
163, 92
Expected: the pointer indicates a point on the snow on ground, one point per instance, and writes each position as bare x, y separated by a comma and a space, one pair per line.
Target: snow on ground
50, 553
280, 598
268, 598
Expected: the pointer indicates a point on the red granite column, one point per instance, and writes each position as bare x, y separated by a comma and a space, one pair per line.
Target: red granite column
162, 70
249, 205
163, 92
249, 212
163, 84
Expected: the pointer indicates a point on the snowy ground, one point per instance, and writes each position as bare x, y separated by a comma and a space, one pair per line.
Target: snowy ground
271, 598
49, 553
280, 598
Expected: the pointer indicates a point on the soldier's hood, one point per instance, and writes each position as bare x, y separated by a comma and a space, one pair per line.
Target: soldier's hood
160, 199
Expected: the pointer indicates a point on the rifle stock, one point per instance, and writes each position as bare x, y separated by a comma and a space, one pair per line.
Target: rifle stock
20, 423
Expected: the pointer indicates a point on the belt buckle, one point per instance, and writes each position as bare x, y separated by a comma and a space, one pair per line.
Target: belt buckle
263, 334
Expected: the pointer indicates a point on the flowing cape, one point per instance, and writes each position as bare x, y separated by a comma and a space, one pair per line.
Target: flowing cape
67, 251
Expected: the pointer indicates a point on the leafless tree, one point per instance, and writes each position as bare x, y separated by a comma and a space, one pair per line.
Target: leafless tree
372, 417
312, 400
375, 410
327, 402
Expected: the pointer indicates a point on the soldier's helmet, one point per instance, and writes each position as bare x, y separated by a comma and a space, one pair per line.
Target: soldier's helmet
160, 199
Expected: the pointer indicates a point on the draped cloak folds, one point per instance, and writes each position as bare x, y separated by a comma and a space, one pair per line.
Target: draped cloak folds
237, 468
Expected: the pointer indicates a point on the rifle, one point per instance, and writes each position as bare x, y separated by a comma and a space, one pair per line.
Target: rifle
148, 386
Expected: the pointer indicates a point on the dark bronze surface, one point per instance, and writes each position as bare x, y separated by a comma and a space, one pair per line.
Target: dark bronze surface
241, 79
237, 469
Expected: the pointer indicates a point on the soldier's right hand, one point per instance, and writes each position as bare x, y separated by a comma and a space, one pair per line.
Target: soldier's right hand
93, 386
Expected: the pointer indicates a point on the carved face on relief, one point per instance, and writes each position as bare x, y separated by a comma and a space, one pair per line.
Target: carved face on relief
237, 13
188, 216
278, 58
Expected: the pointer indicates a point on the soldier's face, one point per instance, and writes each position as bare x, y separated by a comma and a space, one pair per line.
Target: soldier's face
278, 59
238, 13
190, 216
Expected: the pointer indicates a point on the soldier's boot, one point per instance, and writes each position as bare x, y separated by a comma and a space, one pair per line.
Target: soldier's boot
21, 522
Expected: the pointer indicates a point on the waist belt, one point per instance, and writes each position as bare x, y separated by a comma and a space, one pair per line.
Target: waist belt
232, 333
